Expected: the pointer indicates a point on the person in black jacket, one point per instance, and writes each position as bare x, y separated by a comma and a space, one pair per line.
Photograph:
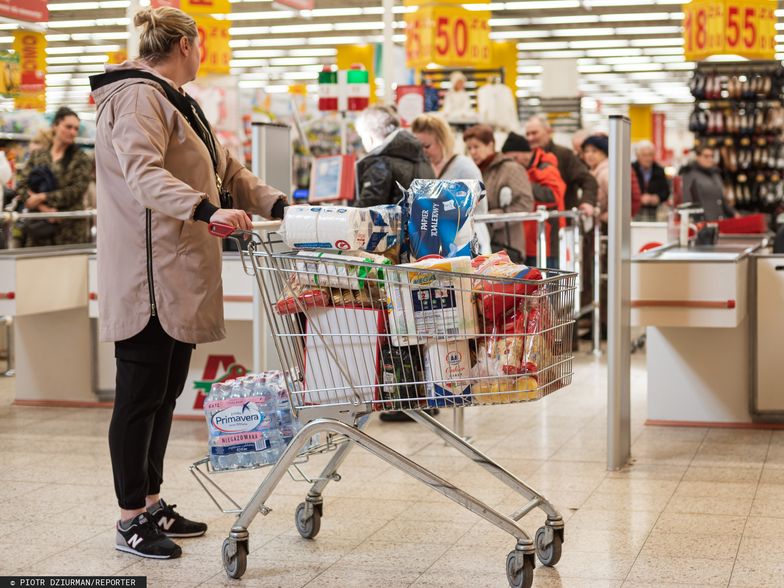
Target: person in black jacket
653, 181
393, 156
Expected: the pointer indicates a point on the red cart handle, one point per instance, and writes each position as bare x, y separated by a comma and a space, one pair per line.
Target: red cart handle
221, 230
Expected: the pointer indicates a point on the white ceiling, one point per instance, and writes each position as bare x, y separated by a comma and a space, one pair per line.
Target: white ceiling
627, 51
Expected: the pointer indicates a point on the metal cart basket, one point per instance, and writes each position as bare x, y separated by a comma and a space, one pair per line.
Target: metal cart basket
355, 334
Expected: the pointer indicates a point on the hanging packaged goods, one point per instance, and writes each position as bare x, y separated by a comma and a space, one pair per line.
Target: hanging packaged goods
729, 27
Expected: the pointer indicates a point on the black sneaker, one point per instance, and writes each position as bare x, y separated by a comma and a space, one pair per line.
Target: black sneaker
142, 537
173, 524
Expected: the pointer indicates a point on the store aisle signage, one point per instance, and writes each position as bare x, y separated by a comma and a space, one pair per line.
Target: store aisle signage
196, 6
27, 10
214, 44
729, 27
446, 35
31, 49
343, 90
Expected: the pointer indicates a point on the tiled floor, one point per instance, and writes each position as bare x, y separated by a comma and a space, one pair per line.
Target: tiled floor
698, 507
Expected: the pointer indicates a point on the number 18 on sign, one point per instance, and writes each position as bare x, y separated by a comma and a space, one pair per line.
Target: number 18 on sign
729, 27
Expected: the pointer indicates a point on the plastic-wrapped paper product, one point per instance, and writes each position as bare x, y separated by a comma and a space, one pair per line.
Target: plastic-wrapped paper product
326, 227
385, 226
338, 270
342, 228
440, 217
423, 303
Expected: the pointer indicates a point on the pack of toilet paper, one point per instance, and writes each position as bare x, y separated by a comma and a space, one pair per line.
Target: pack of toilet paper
440, 217
343, 228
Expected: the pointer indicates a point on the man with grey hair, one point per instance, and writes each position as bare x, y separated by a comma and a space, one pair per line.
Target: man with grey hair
573, 171
394, 156
652, 179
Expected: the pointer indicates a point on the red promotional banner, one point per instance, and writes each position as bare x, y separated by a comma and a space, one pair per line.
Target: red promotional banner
659, 132
297, 4
27, 10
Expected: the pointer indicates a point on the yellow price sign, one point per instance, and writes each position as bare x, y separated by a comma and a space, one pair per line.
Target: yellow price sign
193, 7
214, 45
450, 36
729, 27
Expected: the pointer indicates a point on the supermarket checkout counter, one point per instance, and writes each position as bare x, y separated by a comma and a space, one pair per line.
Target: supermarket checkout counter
44, 290
696, 306
235, 354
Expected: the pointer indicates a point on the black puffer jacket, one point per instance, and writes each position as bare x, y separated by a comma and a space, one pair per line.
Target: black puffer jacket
400, 160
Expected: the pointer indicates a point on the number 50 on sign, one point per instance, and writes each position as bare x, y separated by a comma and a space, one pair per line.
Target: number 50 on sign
447, 36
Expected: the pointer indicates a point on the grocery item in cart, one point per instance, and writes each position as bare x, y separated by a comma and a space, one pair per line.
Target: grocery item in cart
342, 355
242, 424
440, 217
448, 373
295, 297
423, 303
402, 378
326, 227
501, 390
353, 270
496, 298
386, 223
342, 228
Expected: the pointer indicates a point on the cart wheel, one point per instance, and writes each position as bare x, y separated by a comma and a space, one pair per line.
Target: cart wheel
522, 577
236, 564
308, 528
549, 555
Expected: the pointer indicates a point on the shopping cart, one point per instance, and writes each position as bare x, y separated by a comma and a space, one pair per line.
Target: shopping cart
356, 335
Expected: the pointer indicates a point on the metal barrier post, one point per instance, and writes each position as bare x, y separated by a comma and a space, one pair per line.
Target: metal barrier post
541, 236
619, 296
597, 287
577, 253
9, 340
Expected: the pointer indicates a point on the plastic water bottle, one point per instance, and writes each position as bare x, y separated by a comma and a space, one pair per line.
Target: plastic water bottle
218, 393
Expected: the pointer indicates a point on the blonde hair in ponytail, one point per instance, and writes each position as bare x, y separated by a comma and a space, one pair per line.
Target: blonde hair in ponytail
162, 28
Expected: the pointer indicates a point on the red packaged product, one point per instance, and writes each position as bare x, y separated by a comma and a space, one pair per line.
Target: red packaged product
497, 298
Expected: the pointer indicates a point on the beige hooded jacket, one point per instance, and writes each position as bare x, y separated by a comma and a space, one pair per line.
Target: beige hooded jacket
152, 171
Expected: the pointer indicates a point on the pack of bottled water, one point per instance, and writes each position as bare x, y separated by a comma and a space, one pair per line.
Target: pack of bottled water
250, 421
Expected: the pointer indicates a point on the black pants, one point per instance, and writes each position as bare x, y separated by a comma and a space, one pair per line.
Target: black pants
151, 372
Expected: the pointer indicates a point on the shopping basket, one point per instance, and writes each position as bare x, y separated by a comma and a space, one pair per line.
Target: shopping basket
355, 334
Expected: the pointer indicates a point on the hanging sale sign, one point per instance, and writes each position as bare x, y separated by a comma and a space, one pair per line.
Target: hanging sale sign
31, 49
27, 10
214, 44
196, 6
449, 36
729, 27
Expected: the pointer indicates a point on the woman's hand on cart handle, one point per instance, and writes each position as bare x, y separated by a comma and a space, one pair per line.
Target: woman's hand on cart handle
238, 219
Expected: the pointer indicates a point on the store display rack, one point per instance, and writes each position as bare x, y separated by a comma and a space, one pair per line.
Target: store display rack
564, 114
739, 110
23, 138
475, 79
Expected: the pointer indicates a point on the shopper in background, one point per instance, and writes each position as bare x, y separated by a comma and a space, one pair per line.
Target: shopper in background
55, 179
581, 187
438, 143
160, 174
548, 188
652, 179
578, 138
394, 156
702, 185
508, 188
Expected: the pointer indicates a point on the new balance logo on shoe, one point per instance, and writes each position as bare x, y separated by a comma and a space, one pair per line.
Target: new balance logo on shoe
135, 540
166, 523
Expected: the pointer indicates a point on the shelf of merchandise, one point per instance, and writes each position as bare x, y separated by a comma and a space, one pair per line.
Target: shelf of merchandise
739, 110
